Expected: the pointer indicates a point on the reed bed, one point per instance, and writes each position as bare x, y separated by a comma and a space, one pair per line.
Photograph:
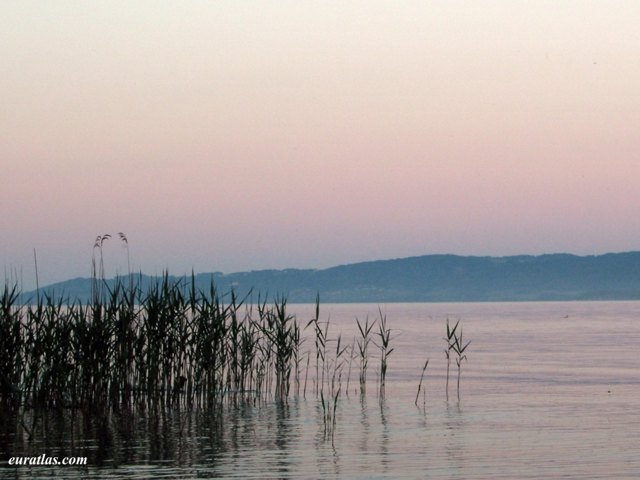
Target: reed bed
173, 344
176, 345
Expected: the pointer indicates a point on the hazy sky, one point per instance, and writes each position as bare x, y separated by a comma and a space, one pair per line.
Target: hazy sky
230, 135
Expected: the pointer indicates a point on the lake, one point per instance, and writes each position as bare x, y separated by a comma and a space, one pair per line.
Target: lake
549, 390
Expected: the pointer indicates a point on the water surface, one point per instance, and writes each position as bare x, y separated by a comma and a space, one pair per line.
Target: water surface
550, 390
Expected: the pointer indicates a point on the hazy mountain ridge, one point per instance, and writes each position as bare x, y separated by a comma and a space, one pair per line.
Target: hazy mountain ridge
429, 278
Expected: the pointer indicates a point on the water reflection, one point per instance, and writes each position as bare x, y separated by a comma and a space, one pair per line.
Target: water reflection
284, 435
455, 446
385, 435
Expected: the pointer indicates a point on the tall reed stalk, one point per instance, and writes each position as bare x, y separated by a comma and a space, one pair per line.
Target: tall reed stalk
363, 351
426, 364
384, 338
320, 342
450, 339
459, 348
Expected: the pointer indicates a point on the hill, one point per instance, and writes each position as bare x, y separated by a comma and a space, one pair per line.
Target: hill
429, 278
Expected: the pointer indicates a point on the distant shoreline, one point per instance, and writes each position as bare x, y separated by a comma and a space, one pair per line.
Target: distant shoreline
429, 278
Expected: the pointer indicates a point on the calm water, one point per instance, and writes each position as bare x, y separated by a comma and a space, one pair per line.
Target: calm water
550, 390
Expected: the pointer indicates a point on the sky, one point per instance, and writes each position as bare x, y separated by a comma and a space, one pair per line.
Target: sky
236, 135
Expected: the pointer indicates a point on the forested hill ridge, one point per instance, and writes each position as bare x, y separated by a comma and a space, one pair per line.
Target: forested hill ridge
429, 278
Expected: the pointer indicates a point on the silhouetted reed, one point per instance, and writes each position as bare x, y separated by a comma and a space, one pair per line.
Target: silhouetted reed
459, 347
426, 364
171, 344
329, 369
450, 339
363, 351
384, 338
12, 347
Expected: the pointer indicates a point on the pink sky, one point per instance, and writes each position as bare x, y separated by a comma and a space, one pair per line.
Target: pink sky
245, 135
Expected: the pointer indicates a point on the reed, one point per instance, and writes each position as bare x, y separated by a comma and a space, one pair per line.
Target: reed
352, 354
330, 364
384, 338
125, 243
320, 342
283, 335
97, 268
363, 351
176, 344
426, 364
173, 344
459, 347
450, 339
334, 369
170, 344
11, 347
